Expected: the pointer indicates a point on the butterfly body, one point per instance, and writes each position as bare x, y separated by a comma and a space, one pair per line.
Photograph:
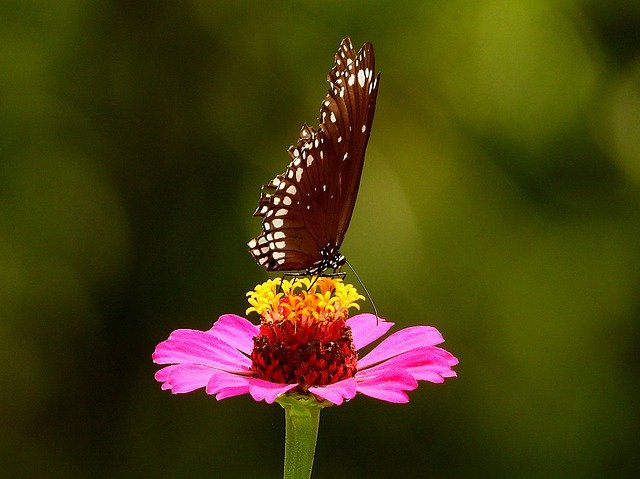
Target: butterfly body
307, 209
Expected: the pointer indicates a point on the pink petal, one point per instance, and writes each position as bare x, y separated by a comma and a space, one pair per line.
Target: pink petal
230, 392
398, 397
236, 331
266, 390
199, 347
424, 364
165, 373
337, 392
390, 386
400, 342
366, 328
184, 378
450, 358
223, 384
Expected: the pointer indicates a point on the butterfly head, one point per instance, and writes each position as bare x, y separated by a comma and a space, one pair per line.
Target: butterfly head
331, 258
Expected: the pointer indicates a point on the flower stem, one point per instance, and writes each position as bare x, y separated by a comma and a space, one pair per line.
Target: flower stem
302, 419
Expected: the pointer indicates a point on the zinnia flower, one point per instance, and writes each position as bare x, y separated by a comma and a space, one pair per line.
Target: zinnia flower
305, 345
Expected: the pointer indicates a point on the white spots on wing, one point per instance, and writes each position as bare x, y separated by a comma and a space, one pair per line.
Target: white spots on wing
340, 139
269, 237
310, 158
267, 226
292, 190
281, 261
279, 235
373, 85
275, 182
287, 200
252, 243
298, 160
342, 92
364, 128
269, 213
280, 244
281, 186
263, 261
333, 117
324, 187
282, 212
346, 155
278, 255
352, 79
326, 103
264, 250
263, 210
316, 143
299, 174
296, 152
290, 174
361, 78
308, 207
276, 200
277, 223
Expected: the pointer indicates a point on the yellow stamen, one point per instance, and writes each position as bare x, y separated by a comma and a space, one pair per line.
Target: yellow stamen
325, 299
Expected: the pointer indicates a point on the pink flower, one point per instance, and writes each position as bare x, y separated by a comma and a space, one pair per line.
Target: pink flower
305, 344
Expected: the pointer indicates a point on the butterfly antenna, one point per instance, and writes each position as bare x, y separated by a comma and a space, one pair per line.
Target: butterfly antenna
366, 291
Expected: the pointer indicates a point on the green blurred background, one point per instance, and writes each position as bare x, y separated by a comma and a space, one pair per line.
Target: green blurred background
499, 203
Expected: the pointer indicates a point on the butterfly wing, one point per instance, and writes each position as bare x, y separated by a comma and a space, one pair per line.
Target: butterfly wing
307, 209
346, 119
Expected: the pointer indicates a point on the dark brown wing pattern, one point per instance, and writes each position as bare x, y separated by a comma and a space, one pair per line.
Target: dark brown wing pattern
306, 210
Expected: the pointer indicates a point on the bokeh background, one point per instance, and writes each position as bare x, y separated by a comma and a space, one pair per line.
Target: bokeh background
499, 203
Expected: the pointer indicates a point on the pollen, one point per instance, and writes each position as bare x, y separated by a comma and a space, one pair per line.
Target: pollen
301, 297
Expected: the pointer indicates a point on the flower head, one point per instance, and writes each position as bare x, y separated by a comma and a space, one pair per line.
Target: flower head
305, 344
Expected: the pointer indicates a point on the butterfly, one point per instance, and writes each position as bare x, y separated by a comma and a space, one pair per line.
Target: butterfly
306, 210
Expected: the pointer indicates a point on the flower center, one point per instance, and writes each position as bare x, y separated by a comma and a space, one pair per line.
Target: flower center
303, 334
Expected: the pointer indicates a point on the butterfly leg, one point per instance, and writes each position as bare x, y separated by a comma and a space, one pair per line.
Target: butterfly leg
290, 274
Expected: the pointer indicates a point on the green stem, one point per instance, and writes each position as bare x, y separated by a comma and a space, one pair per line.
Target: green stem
302, 419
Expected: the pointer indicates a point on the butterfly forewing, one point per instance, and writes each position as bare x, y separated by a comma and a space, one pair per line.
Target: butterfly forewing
307, 209
352, 99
